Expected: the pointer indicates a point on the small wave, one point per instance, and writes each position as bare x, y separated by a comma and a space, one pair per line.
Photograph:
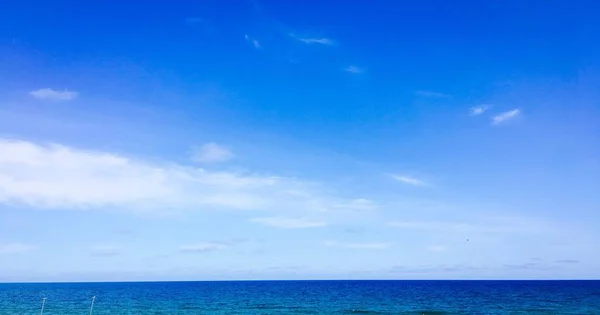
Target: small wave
262, 307
273, 307
189, 307
538, 311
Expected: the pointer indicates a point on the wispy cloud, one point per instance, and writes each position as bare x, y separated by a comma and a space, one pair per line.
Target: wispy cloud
567, 261
478, 110
432, 94
506, 116
357, 204
106, 251
525, 266
15, 248
59, 177
54, 95
424, 270
354, 70
409, 180
203, 247
353, 230
488, 225
289, 223
425, 225
322, 41
253, 42
376, 245
314, 40
367, 245
211, 153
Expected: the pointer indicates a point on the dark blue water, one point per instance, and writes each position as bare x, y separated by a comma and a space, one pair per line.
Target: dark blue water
306, 297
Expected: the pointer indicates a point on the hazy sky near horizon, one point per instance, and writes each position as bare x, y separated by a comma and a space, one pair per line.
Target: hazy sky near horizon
204, 140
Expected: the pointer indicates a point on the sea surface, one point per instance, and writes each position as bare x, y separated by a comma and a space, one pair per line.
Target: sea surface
305, 297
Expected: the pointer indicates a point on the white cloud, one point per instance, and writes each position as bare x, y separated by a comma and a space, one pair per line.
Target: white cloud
357, 245
432, 94
478, 110
15, 248
506, 116
409, 180
203, 247
60, 177
289, 223
314, 40
253, 42
106, 250
354, 69
211, 153
54, 95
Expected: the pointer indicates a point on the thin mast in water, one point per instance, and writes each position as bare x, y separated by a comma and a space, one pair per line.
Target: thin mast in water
92, 306
43, 304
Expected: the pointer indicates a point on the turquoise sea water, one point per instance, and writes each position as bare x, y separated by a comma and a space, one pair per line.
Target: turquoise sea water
305, 297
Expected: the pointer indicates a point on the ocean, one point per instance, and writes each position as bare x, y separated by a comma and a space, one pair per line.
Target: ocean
304, 297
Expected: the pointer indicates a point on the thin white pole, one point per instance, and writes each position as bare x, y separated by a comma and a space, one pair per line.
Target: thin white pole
92, 307
43, 304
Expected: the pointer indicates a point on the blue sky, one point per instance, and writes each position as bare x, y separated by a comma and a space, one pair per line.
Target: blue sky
208, 140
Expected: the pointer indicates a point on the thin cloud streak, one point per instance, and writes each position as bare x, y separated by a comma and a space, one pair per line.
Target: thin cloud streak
409, 180
506, 116
314, 40
54, 95
15, 248
289, 223
322, 41
106, 251
567, 261
203, 247
357, 204
367, 245
508, 225
376, 245
432, 94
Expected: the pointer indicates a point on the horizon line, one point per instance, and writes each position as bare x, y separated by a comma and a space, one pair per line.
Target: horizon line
286, 280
